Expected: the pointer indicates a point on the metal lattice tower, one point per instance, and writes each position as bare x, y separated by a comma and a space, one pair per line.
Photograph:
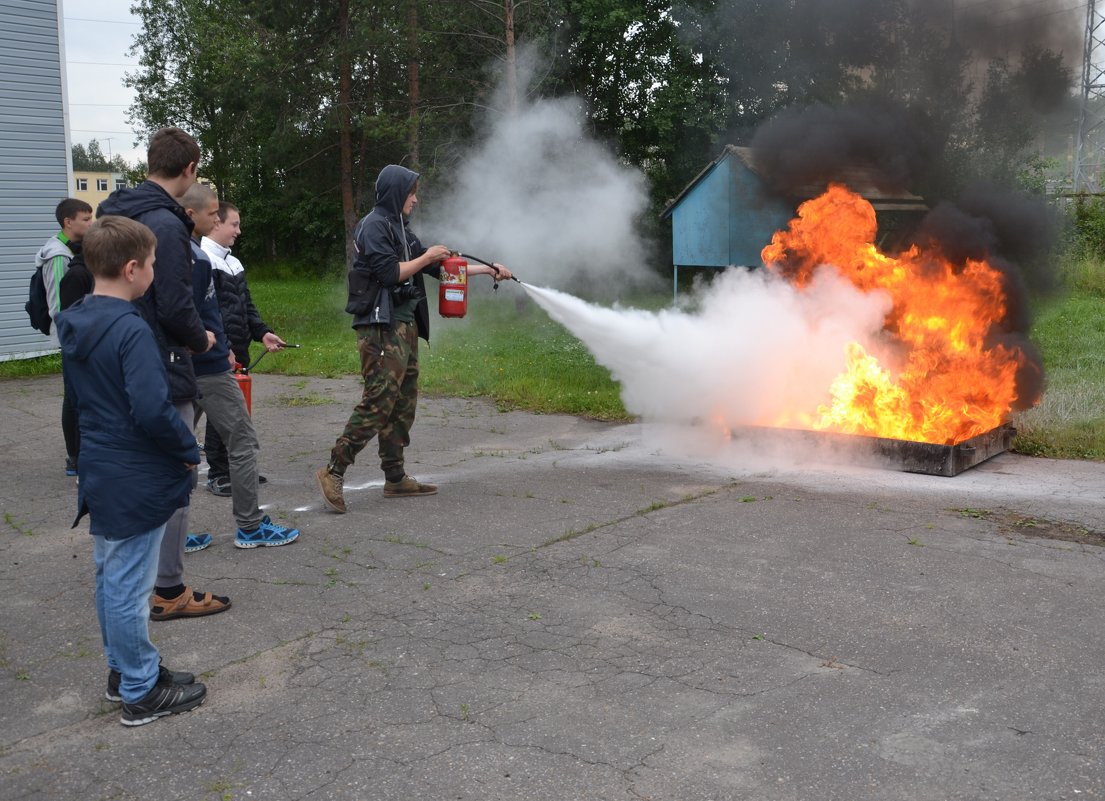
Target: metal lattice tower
1089, 158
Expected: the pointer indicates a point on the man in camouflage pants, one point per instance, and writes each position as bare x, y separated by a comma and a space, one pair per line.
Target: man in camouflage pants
387, 298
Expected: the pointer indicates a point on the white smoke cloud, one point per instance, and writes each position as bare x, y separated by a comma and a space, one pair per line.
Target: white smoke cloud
756, 346
554, 205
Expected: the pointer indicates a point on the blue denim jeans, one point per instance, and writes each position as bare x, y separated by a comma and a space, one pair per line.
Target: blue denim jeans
125, 573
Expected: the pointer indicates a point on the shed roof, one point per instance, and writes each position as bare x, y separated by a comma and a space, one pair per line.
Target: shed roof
859, 179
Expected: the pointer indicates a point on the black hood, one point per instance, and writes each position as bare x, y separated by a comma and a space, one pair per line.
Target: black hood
393, 186
145, 197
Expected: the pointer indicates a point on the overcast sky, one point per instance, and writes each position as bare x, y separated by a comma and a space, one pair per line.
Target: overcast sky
98, 34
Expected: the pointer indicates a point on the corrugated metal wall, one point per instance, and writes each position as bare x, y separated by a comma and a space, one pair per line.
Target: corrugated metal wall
34, 162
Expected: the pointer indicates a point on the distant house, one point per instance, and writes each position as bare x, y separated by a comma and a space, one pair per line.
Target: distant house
726, 215
34, 158
94, 187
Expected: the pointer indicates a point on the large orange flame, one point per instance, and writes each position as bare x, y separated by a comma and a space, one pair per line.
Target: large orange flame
949, 382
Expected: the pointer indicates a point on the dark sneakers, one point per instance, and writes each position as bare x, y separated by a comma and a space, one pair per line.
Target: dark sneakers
408, 487
164, 675
219, 485
164, 699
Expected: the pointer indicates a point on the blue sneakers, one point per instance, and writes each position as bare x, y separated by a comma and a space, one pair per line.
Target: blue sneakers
267, 534
197, 542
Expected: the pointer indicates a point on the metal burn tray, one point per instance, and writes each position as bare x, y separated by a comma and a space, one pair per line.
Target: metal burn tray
896, 454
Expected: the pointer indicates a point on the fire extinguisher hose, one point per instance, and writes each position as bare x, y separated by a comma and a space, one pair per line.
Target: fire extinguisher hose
245, 370
489, 264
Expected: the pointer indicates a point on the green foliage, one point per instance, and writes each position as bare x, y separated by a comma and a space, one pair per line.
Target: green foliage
297, 105
648, 93
1085, 245
1011, 112
92, 159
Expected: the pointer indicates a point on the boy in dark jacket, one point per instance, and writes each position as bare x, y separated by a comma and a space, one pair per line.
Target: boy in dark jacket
170, 310
242, 324
136, 462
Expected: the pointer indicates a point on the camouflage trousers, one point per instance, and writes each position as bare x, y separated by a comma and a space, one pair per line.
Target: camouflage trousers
389, 365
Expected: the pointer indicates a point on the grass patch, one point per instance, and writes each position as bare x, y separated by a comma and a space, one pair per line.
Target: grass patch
1069, 423
28, 368
1085, 275
303, 400
1038, 528
506, 349
309, 312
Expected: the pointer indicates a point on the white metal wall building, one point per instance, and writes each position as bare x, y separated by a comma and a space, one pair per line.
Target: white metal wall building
34, 158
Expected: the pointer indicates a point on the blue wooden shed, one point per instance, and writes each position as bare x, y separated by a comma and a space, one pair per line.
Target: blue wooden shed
726, 215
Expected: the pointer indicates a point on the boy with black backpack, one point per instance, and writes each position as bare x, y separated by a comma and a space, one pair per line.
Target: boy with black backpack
51, 266
74, 216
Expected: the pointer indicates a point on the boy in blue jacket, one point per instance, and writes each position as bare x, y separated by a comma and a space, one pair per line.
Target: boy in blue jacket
137, 457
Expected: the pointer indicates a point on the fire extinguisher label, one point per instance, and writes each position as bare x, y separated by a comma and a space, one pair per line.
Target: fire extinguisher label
455, 295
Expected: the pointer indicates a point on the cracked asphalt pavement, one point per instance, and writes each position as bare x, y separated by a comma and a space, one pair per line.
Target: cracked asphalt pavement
584, 611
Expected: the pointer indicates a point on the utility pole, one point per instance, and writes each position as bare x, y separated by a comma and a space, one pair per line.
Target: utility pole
1089, 153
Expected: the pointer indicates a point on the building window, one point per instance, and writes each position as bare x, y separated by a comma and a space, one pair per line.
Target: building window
101, 184
120, 184
82, 184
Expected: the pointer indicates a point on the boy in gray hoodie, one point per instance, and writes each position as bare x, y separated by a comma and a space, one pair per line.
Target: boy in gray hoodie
74, 216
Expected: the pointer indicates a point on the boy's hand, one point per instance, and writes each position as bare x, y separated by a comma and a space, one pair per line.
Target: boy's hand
190, 466
272, 342
436, 253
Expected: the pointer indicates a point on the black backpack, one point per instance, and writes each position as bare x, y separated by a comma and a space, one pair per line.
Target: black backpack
37, 307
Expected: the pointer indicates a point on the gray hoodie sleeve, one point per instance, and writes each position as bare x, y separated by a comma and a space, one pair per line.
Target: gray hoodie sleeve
54, 258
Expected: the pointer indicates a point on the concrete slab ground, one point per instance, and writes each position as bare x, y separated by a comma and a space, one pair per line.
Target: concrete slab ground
582, 612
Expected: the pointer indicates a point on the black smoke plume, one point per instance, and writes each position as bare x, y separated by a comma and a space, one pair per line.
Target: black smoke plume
799, 148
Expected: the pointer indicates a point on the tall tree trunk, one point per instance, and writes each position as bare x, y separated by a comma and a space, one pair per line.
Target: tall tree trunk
345, 99
511, 62
412, 81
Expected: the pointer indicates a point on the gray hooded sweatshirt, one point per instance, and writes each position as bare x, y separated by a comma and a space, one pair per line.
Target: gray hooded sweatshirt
54, 258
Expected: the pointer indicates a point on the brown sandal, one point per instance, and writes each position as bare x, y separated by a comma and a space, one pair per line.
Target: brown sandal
186, 605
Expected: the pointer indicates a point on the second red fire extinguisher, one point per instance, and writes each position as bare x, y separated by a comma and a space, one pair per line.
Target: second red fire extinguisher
245, 383
452, 299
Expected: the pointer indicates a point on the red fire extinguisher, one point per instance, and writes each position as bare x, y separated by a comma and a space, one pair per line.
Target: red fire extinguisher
245, 383
452, 298
245, 380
